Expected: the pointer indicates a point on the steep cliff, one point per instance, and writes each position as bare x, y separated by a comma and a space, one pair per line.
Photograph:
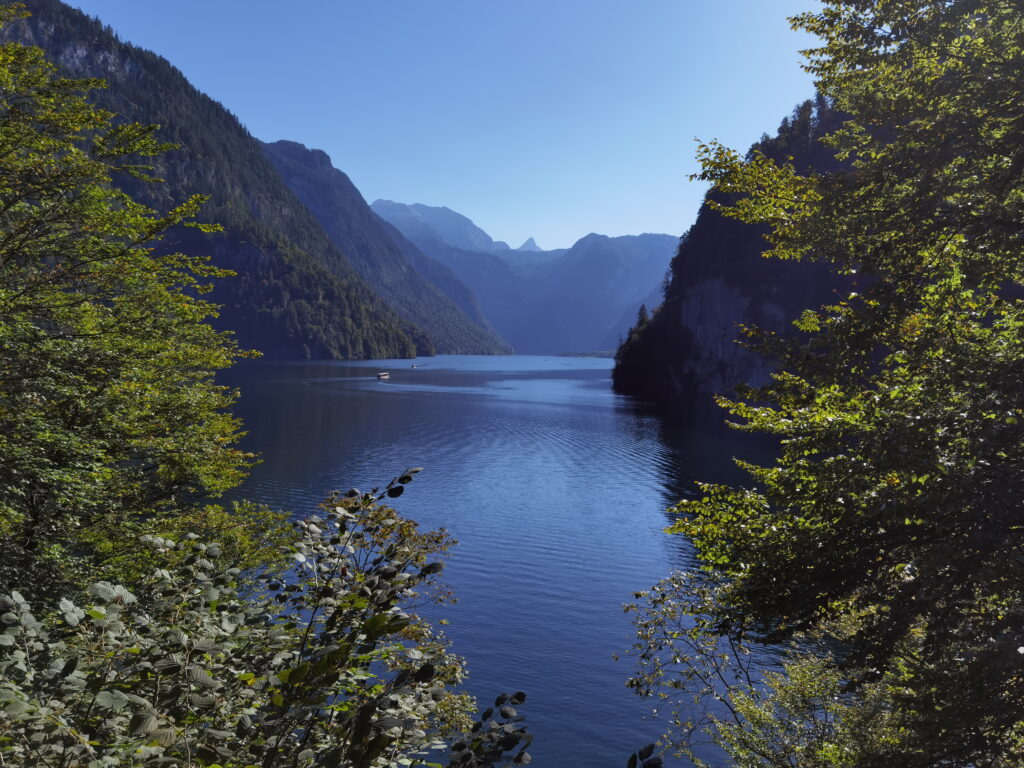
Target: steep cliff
718, 282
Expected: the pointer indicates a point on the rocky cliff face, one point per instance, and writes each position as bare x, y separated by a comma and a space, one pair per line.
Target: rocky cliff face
720, 282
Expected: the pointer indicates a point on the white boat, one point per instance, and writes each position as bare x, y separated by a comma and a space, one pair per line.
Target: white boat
381, 375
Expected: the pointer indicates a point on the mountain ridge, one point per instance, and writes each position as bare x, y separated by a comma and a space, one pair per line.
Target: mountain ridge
450, 226
378, 253
547, 302
294, 294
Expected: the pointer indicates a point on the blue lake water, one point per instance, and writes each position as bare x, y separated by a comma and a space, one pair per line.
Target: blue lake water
555, 487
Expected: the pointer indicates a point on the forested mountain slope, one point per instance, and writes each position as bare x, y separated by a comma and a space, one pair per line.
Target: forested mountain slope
568, 300
295, 294
719, 281
379, 252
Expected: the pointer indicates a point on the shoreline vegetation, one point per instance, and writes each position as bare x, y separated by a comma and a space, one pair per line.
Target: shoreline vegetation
142, 624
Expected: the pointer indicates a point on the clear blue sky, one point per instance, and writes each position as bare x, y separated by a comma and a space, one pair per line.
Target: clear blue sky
543, 118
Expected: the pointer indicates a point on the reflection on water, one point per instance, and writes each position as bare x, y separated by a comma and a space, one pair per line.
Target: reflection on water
555, 487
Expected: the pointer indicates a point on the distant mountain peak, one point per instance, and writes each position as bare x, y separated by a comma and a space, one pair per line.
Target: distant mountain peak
529, 245
448, 225
312, 156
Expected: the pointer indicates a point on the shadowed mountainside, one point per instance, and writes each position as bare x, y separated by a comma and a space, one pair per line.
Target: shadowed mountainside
295, 294
381, 254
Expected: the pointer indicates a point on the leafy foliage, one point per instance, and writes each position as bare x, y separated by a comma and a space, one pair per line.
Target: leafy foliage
327, 666
109, 414
760, 705
890, 524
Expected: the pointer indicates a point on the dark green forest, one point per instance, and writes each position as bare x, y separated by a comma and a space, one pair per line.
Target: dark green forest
295, 293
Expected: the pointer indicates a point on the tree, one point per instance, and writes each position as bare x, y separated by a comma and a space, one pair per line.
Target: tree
110, 419
328, 667
642, 317
191, 644
889, 527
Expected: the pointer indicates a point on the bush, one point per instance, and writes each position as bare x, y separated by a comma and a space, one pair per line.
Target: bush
326, 666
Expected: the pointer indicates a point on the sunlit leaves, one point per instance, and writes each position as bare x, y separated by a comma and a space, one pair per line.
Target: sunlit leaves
109, 414
324, 665
769, 193
890, 521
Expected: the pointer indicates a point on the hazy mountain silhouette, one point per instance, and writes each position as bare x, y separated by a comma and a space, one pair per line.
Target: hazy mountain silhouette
451, 227
547, 302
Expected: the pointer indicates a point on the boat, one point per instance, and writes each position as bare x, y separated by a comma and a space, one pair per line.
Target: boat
381, 375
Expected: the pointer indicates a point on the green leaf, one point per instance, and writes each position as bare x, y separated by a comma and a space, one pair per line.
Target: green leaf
142, 724
111, 699
202, 678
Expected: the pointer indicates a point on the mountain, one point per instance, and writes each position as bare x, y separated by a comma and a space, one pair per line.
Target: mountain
579, 295
500, 289
443, 279
544, 302
451, 227
719, 281
296, 294
381, 254
529, 245
628, 319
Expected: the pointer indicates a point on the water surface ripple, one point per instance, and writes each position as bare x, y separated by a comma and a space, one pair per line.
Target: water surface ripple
555, 488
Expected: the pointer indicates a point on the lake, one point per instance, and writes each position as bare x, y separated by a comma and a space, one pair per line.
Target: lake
555, 487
